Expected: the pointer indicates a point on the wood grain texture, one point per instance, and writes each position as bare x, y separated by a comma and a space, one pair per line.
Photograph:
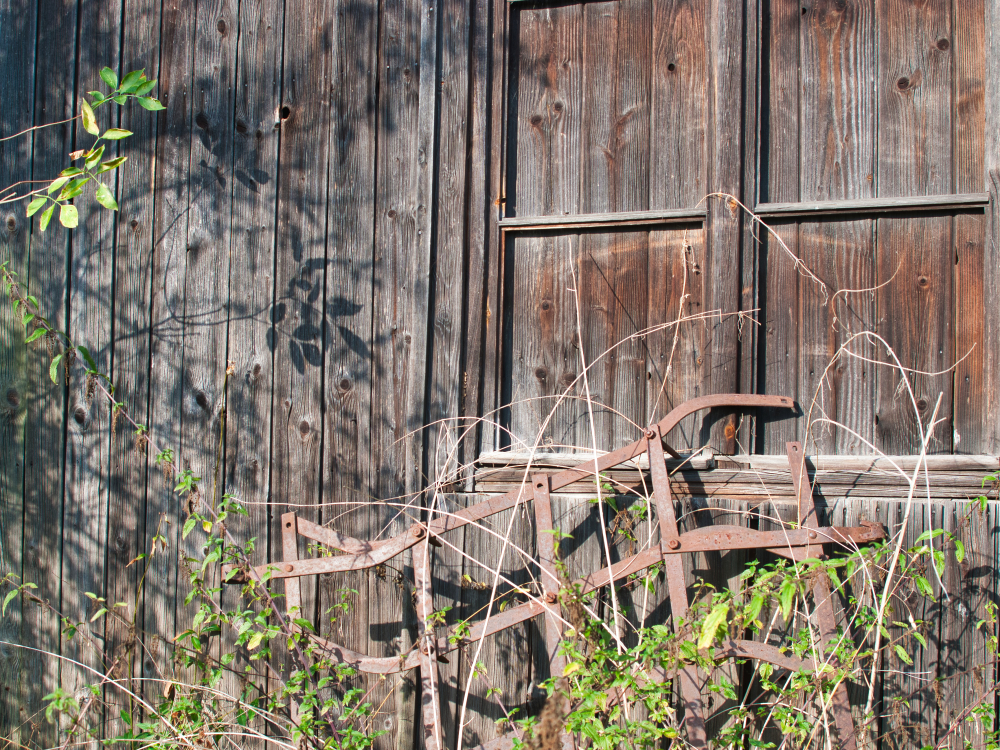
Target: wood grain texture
678, 108
17, 90
44, 401
90, 323
407, 72
127, 521
549, 112
991, 256
300, 273
724, 226
347, 312
254, 177
170, 220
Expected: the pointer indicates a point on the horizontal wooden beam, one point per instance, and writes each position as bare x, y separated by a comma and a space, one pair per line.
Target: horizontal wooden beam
922, 203
611, 220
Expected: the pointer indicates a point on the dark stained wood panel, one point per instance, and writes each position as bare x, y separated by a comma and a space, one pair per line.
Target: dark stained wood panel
608, 108
678, 115
548, 106
620, 294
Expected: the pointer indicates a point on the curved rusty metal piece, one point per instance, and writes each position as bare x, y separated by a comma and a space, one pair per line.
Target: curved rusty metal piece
361, 555
797, 543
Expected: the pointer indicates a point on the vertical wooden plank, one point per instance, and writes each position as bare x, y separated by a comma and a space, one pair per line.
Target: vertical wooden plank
969, 124
724, 225
43, 399
17, 91
781, 182
404, 210
549, 112
170, 220
450, 285
481, 238
347, 311
972, 299
300, 272
543, 360
911, 700
506, 655
676, 289
128, 525
842, 256
247, 470
90, 324
914, 78
493, 105
611, 291
915, 317
678, 105
991, 257
837, 155
614, 108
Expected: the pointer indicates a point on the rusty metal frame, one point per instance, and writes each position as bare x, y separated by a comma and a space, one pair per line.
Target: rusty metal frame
800, 543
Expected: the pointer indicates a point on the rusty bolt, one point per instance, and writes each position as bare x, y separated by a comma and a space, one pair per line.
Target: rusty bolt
812, 534
551, 597
425, 648
418, 532
674, 543
650, 433
289, 568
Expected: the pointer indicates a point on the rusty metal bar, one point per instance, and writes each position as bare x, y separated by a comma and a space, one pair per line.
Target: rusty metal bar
694, 717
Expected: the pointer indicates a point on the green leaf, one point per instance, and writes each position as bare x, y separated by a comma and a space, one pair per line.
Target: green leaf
89, 121
923, 586
959, 547
786, 596
116, 134
109, 77
188, 526
112, 164
716, 619
98, 613
105, 198
54, 368
71, 172
73, 188
35, 335
120, 99
8, 599
43, 224
87, 357
36, 205
255, 640
755, 606
903, 656
148, 102
131, 81
69, 217
920, 638
57, 183
95, 156
97, 96
145, 88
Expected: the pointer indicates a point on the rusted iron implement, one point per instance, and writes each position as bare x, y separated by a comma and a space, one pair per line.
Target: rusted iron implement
800, 543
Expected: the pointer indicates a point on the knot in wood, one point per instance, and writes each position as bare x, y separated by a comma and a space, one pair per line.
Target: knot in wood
943, 44
304, 427
345, 384
903, 83
11, 223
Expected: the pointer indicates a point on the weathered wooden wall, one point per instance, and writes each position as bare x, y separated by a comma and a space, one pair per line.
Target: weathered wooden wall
394, 215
